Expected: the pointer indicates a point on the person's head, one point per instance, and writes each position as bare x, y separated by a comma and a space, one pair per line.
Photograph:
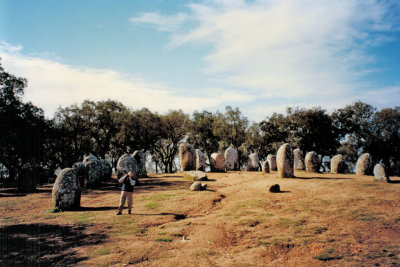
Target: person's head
130, 174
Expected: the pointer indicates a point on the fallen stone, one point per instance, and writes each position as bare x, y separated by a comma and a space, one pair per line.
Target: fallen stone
197, 175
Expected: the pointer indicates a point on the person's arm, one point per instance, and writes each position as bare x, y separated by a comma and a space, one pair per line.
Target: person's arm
121, 180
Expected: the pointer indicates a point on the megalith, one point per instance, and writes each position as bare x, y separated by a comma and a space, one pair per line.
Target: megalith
312, 162
217, 162
272, 162
284, 161
253, 163
93, 171
187, 157
298, 159
66, 193
231, 159
265, 167
337, 164
380, 173
140, 158
106, 170
364, 165
200, 160
125, 164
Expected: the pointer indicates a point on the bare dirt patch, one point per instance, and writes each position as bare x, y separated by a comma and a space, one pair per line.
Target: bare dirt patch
317, 219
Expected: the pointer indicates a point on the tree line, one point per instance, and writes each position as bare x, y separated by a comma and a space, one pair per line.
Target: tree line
32, 143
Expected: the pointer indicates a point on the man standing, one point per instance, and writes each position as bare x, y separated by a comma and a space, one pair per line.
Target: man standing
128, 182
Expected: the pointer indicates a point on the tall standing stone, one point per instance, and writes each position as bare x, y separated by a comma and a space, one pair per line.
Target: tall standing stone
364, 165
265, 167
298, 159
272, 162
125, 164
140, 158
93, 171
337, 164
200, 160
217, 162
380, 173
66, 193
187, 157
253, 163
284, 161
312, 162
231, 159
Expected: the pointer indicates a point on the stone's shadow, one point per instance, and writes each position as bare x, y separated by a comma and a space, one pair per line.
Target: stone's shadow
281, 192
95, 208
44, 244
318, 178
394, 182
176, 216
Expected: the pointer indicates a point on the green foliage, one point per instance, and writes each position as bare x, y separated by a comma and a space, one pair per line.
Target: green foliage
164, 239
55, 210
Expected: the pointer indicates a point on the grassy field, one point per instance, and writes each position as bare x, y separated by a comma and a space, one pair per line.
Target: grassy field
318, 220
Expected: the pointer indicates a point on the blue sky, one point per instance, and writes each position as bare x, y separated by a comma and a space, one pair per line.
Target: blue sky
261, 56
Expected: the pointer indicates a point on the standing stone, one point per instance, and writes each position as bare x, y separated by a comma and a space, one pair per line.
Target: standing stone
231, 159
298, 159
312, 162
106, 170
364, 165
200, 160
272, 162
93, 171
187, 157
284, 161
80, 172
253, 163
66, 192
337, 164
140, 158
125, 164
380, 173
265, 167
217, 162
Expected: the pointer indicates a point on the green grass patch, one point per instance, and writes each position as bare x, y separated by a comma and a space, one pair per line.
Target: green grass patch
360, 215
204, 252
164, 239
290, 223
329, 254
99, 252
55, 210
159, 197
82, 217
153, 205
188, 178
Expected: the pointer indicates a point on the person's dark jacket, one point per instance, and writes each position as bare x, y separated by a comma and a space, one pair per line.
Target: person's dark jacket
126, 185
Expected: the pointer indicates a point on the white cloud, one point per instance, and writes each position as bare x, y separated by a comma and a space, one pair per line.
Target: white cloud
52, 84
292, 48
163, 23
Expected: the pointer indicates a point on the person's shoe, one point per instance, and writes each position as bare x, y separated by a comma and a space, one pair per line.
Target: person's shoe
119, 213
129, 211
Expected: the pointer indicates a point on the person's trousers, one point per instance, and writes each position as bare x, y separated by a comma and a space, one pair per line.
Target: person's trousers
125, 196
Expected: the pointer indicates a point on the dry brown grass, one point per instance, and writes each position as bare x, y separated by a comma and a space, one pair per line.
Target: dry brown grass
318, 219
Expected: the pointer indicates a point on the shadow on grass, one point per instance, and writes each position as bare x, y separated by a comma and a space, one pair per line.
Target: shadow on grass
44, 244
318, 178
176, 216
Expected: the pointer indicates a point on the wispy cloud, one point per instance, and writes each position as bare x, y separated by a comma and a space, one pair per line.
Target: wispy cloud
52, 84
309, 49
162, 22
